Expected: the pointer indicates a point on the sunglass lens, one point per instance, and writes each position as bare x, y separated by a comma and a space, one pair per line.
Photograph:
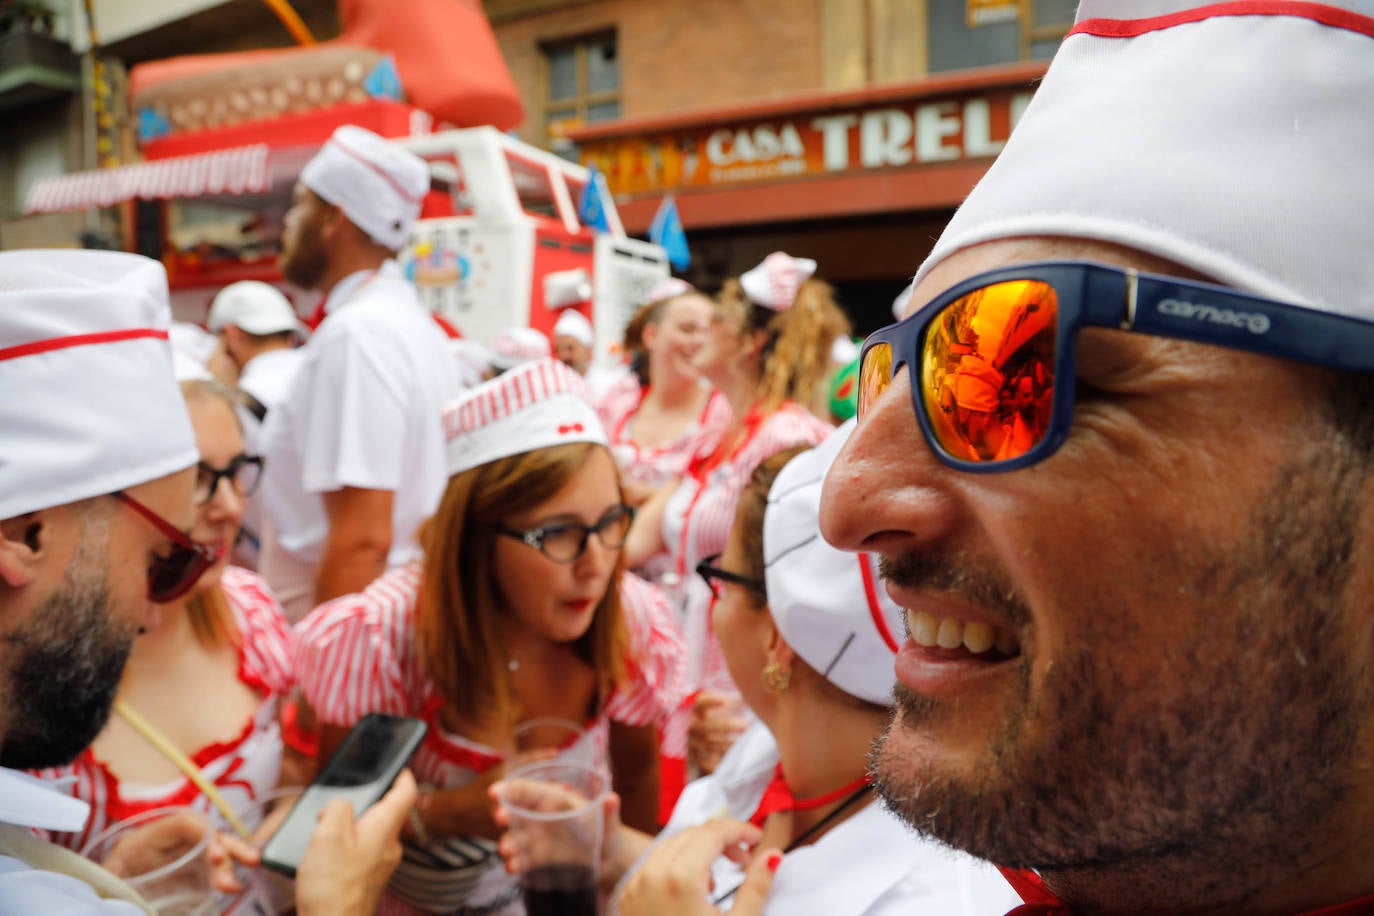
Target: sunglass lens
171, 576
987, 370
875, 374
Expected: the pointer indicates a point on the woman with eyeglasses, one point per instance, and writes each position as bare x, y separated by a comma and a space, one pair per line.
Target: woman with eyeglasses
811, 640
519, 610
767, 351
208, 677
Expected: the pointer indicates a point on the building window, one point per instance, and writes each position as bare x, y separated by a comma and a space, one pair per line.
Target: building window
981, 33
582, 85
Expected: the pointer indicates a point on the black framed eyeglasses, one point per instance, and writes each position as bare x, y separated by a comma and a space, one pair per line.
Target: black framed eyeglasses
565, 542
244, 473
714, 576
172, 574
992, 359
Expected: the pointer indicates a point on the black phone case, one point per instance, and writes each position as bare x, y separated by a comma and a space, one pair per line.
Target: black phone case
347, 774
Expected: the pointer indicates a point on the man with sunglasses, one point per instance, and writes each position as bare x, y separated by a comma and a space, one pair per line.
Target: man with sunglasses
97, 471
1168, 526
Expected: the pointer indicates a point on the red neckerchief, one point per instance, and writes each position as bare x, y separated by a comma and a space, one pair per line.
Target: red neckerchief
777, 796
1039, 901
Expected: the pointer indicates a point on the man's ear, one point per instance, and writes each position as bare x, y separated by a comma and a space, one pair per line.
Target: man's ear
22, 540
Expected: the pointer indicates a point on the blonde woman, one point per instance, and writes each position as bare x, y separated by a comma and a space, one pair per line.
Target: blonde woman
767, 352
209, 676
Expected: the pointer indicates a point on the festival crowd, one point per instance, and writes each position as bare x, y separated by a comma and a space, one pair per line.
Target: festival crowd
1067, 569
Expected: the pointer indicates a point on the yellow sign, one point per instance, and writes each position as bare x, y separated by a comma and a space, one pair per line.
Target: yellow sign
987, 12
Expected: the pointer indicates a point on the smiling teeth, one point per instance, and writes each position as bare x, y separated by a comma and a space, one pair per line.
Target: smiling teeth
950, 633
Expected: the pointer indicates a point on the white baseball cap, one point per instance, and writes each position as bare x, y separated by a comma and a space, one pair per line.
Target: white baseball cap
535, 405
90, 405
379, 186
575, 325
773, 284
1233, 139
255, 307
827, 603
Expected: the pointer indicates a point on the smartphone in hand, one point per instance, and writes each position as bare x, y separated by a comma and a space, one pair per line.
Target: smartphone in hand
361, 771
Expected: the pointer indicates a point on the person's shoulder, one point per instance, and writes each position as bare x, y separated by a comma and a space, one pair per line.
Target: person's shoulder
387, 602
643, 603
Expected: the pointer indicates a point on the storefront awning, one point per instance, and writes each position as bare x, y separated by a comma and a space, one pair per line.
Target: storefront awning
242, 170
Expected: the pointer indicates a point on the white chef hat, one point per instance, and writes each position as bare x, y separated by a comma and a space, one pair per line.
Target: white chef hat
90, 405
473, 358
669, 288
192, 347
535, 405
516, 345
827, 603
899, 305
253, 306
1232, 139
774, 283
574, 324
379, 186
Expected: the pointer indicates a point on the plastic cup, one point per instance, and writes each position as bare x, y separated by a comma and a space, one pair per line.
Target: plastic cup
556, 822
162, 854
539, 739
264, 891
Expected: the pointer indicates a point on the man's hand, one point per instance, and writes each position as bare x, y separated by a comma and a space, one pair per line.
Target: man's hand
675, 880
346, 864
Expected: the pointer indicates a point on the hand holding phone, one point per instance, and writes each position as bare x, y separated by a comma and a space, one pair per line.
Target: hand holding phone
347, 863
365, 765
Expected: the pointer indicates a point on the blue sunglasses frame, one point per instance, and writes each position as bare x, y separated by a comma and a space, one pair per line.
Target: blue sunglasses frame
1091, 294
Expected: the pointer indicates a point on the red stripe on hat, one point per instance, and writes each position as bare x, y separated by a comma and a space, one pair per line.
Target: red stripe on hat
79, 340
380, 172
1317, 12
874, 607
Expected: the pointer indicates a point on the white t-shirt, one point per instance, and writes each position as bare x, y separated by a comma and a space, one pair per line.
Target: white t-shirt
870, 864
363, 411
267, 377
28, 887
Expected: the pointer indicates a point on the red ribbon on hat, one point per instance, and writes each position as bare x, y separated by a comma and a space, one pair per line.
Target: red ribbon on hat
570, 428
777, 796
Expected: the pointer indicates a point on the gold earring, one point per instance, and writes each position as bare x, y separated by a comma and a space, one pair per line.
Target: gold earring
776, 678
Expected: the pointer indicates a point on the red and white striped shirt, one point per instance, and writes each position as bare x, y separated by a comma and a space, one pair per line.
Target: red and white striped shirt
357, 654
242, 769
654, 467
696, 524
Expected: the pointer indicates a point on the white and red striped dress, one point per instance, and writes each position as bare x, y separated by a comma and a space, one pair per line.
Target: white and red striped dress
696, 524
654, 467
357, 655
243, 769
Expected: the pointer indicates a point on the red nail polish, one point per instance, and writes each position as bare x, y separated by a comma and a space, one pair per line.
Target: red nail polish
774, 860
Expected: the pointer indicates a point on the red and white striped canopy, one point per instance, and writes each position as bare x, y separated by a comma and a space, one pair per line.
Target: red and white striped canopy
242, 170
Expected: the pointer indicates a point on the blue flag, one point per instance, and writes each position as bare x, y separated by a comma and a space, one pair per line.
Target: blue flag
666, 230
591, 206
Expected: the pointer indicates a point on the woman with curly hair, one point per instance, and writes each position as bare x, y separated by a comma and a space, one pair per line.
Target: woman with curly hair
768, 353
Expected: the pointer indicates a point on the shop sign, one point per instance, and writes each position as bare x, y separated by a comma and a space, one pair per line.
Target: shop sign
826, 142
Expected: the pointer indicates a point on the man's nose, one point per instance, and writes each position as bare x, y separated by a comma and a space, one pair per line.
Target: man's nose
886, 484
